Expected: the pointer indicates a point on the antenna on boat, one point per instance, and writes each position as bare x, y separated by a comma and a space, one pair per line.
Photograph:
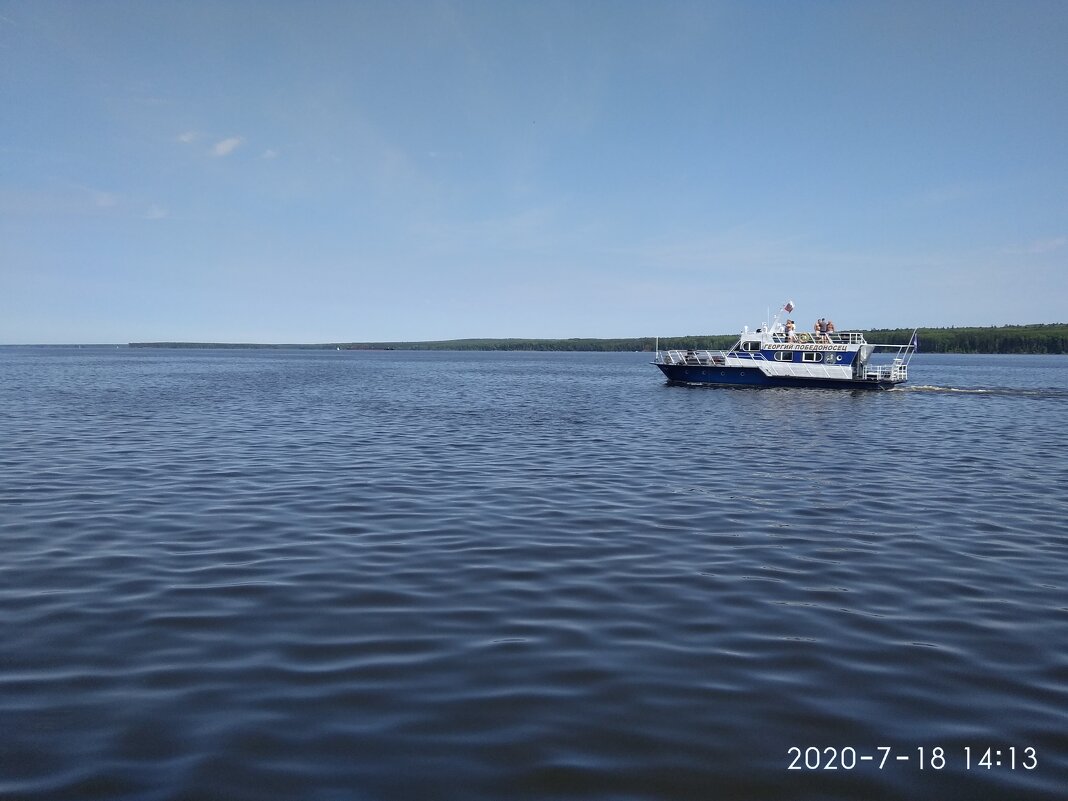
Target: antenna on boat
912, 347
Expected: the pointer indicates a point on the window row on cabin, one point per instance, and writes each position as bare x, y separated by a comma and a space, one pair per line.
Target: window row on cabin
806, 356
788, 355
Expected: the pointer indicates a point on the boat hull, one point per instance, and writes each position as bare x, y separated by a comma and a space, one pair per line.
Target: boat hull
723, 375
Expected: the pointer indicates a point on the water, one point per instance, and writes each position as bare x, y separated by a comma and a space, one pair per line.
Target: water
322, 575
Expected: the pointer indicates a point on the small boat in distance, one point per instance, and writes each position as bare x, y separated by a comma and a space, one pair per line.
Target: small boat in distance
774, 355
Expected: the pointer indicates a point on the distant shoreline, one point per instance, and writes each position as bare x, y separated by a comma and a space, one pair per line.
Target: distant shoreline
1041, 338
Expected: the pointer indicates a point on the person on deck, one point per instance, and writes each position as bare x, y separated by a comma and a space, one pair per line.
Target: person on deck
821, 330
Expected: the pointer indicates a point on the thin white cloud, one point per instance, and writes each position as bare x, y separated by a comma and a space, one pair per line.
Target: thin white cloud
225, 147
1048, 245
269, 153
946, 195
188, 137
105, 200
58, 199
1038, 247
155, 212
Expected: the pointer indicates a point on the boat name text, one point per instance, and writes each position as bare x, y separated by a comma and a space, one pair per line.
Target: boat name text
805, 346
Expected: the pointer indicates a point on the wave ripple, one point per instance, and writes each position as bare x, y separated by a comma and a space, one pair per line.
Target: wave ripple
259, 575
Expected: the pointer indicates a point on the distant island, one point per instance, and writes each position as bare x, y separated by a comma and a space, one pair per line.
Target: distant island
1042, 338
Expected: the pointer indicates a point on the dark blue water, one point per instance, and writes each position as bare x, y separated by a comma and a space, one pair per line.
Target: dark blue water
322, 575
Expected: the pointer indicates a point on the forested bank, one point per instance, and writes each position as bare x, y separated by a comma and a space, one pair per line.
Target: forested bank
1051, 338
1046, 338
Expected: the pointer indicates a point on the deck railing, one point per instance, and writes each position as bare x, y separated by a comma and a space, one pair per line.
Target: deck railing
833, 338
897, 370
698, 358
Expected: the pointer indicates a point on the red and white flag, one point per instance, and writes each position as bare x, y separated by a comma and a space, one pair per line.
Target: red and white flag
789, 307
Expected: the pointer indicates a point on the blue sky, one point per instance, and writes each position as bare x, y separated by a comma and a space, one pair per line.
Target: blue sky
351, 171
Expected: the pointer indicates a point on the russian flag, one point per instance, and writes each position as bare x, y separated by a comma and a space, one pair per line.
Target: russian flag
789, 307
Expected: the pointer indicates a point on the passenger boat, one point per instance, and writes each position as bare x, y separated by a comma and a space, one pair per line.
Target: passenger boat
771, 356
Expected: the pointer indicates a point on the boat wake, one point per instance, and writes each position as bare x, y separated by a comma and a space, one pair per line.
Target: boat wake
930, 388
1024, 392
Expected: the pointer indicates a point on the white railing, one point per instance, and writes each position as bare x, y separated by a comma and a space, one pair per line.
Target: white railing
697, 358
898, 370
707, 357
810, 338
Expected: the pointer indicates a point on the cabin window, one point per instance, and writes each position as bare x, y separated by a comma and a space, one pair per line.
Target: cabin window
810, 356
784, 356
751, 346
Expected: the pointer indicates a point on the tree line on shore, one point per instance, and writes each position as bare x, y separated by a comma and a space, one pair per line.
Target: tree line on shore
1049, 338
1043, 338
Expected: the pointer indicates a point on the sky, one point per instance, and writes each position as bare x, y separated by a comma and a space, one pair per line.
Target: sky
302, 172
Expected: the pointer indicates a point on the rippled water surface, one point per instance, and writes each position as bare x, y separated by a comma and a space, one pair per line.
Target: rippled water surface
332, 575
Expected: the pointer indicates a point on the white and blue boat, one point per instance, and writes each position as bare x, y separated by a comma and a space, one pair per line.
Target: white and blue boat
774, 355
